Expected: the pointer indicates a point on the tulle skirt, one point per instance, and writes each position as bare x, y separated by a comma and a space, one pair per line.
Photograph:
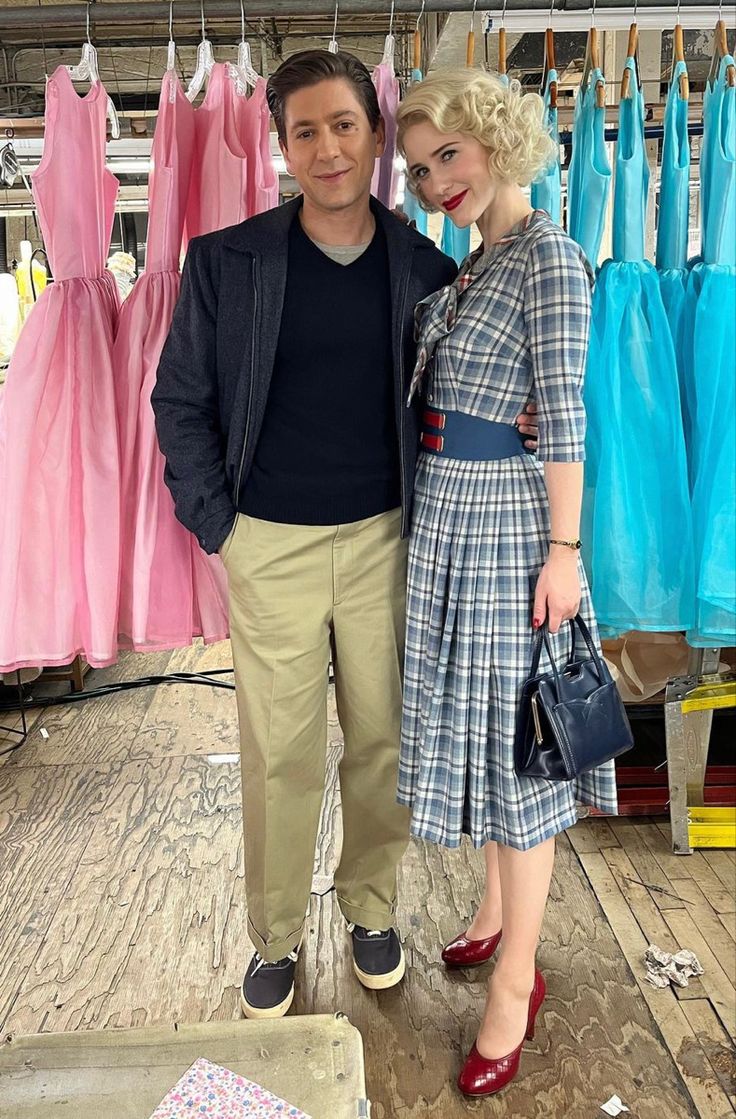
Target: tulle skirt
637, 525
170, 590
60, 482
673, 284
710, 372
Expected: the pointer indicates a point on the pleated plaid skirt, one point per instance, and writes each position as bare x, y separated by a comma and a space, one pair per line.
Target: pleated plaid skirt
480, 536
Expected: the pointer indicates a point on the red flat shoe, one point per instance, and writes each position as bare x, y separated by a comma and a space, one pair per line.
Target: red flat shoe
464, 952
484, 1076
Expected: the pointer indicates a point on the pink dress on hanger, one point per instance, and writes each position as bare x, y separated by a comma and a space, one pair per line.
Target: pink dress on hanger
262, 176
384, 184
218, 194
170, 590
59, 465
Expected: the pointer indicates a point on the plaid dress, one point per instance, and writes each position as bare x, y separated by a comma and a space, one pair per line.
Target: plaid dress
512, 327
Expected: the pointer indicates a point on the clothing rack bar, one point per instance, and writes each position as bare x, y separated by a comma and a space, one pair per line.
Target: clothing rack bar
147, 11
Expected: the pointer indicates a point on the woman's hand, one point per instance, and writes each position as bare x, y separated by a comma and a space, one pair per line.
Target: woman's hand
557, 596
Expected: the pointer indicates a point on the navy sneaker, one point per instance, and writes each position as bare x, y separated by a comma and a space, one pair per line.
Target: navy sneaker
378, 958
268, 989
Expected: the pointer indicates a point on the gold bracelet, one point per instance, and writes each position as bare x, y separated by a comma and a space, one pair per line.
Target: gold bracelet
576, 545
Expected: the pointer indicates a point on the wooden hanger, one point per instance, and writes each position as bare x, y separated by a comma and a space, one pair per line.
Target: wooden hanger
502, 50
470, 49
630, 53
678, 55
549, 64
592, 62
720, 50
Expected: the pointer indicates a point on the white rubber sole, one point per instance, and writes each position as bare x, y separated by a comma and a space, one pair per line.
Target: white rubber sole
269, 1012
382, 982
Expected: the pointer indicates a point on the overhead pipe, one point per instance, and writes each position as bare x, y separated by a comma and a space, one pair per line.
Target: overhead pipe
150, 11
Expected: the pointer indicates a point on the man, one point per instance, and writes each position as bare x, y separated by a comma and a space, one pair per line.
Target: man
281, 411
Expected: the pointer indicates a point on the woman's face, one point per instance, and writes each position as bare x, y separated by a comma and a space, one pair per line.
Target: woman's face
450, 171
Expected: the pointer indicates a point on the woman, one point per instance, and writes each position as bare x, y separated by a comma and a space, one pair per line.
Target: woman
494, 548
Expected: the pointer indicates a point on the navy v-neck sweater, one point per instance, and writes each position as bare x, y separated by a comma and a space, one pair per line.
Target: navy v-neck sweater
328, 451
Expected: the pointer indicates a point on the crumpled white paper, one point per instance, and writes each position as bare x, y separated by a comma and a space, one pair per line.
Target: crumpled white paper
664, 968
614, 1106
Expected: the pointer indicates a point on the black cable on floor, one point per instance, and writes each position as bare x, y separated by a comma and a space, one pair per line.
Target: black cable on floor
125, 686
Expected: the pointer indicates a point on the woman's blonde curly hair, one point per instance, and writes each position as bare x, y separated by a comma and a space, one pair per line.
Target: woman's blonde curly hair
507, 122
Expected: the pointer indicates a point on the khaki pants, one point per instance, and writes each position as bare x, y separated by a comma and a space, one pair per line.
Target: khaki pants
296, 593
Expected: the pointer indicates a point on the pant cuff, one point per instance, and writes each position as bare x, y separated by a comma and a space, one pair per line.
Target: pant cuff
382, 919
275, 949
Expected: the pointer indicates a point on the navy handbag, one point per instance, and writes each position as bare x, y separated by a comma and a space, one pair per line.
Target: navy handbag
571, 720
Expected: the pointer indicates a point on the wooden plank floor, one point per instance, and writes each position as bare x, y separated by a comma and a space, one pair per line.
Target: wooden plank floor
122, 904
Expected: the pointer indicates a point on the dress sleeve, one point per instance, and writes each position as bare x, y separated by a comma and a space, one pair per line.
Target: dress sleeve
557, 314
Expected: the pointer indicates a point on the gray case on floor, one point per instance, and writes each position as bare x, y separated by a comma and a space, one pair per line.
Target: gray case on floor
315, 1062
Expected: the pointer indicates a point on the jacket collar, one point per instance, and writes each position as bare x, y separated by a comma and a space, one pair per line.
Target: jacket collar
268, 232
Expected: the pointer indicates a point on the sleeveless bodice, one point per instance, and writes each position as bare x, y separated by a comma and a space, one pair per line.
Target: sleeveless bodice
674, 190
632, 175
718, 169
589, 178
74, 192
171, 156
547, 190
218, 195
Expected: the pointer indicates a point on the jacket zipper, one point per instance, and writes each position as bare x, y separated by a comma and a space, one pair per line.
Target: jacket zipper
402, 458
252, 379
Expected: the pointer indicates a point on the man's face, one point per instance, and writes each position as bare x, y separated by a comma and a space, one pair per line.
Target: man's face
330, 148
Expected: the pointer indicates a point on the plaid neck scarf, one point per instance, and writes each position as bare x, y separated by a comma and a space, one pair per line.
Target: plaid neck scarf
435, 316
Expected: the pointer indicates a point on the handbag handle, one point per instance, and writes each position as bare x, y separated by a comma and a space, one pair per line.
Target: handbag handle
594, 654
576, 621
541, 638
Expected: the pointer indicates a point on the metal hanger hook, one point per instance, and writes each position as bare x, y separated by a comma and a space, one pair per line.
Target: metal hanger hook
88, 38
472, 15
201, 12
636, 9
334, 26
551, 12
503, 13
421, 12
242, 21
391, 20
592, 15
171, 20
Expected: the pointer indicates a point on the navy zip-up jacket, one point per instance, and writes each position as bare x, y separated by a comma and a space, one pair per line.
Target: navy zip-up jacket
215, 369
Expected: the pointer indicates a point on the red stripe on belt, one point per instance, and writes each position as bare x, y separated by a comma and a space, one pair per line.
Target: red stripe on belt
434, 419
433, 442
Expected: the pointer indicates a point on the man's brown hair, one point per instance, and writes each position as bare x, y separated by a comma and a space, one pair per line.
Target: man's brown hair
309, 67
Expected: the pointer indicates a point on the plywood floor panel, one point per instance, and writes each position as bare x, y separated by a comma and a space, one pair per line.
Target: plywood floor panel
185, 719
133, 913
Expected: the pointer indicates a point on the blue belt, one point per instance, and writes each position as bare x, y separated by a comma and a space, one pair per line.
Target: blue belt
458, 435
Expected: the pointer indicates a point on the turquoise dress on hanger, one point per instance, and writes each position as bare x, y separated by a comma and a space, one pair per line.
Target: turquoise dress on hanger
636, 511
672, 228
589, 175
411, 206
711, 372
547, 190
455, 242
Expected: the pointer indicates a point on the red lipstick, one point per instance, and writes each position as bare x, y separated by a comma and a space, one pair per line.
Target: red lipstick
454, 202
